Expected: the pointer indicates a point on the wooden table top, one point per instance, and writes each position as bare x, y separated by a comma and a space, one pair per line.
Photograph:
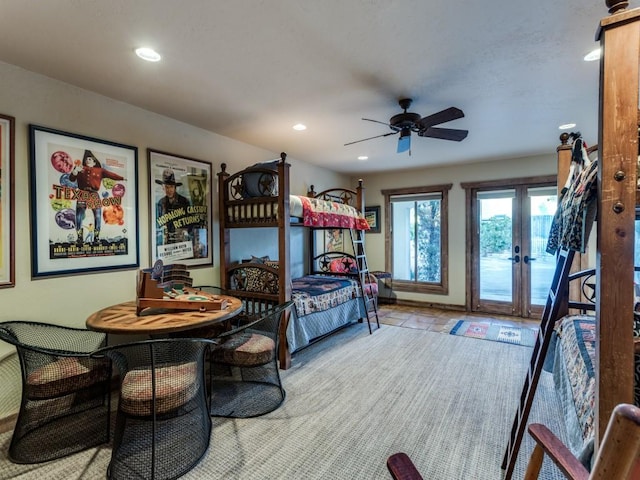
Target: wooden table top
122, 318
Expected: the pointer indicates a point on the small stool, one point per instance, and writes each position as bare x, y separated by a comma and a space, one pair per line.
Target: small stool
382, 279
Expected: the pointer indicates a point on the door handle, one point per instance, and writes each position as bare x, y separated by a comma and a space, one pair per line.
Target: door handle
527, 259
515, 259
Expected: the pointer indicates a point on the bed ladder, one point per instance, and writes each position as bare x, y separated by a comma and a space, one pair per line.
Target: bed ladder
554, 308
368, 298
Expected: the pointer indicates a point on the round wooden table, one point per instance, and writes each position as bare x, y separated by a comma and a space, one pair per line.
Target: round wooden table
122, 318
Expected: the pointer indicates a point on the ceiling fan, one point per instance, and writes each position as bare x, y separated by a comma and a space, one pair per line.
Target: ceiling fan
407, 122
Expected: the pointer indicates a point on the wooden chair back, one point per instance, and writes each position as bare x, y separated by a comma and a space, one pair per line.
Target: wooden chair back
617, 457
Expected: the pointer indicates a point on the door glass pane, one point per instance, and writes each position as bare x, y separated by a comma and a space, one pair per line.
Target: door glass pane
542, 264
496, 278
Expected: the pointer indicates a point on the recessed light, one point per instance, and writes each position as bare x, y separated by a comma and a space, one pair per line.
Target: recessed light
363, 157
593, 55
567, 126
299, 127
148, 54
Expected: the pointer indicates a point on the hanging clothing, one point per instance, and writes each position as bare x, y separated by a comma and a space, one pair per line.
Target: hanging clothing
576, 212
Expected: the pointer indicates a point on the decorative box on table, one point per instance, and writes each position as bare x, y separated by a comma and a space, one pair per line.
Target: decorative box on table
170, 287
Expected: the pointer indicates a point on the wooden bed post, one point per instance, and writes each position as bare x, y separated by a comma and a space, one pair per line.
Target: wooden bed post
284, 234
360, 201
564, 151
225, 251
619, 36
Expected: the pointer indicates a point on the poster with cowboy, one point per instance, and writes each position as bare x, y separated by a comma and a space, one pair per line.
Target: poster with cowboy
180, 209
85, 203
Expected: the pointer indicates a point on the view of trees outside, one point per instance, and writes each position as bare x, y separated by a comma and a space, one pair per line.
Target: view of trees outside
417, 240
496, 247
495, 235
428, 241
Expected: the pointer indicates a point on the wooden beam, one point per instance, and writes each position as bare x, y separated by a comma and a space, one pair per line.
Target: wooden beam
619, 35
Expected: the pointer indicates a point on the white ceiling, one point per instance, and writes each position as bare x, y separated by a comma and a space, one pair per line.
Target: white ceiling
250, 69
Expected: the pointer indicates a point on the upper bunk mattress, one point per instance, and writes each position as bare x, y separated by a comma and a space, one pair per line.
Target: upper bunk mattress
314, 212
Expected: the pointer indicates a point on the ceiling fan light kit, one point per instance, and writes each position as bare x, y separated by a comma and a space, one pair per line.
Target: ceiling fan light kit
407, 122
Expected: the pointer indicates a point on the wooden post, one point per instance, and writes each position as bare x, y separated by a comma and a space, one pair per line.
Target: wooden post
619, 35
225, 251
284, 239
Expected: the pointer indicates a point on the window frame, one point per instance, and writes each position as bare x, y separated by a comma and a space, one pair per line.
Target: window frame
442, 287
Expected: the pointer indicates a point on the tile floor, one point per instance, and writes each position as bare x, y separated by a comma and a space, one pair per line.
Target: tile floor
438, 320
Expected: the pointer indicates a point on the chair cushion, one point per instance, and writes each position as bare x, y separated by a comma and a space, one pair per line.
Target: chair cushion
245, 349
65, 375
175, 386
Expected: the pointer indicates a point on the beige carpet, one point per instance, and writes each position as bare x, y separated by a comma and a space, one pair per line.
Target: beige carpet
354, 399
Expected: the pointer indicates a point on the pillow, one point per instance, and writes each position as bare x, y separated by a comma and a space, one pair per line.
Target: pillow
255, 259
260, 184
343, 265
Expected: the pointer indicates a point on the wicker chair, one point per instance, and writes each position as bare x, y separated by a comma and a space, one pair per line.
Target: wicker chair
245, 380
65, 393
163, 425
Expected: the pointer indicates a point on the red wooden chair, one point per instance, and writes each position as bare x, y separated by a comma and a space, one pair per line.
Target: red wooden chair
618, 457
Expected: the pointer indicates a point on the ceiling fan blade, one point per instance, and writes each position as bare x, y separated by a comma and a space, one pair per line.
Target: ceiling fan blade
451, 113
371, 138
445, 133
377, 121
404, 143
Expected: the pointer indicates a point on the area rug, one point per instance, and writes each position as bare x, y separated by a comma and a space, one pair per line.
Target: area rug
496, 332
353, 399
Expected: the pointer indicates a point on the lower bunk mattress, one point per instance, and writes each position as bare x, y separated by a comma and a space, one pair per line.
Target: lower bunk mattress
574, 378
323, 304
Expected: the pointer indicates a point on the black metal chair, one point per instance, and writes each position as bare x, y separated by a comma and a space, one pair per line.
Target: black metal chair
163, 425
244, 376
65, 394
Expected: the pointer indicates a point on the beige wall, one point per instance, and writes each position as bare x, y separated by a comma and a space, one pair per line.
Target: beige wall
374, 183
68, 300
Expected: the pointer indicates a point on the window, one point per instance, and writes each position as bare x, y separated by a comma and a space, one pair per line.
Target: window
417, 239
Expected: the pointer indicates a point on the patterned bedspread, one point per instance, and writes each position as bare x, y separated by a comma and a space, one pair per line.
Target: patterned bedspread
574, 378
315, 293
323, 213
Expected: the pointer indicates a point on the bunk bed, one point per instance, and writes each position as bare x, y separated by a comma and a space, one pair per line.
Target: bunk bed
330, 296
595, 355
573, 353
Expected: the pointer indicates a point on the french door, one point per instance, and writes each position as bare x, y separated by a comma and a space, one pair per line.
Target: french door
509, 270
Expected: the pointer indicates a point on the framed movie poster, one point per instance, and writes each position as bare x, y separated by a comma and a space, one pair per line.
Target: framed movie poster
7, 243
372, 215
84, 203
334, 239
180, 201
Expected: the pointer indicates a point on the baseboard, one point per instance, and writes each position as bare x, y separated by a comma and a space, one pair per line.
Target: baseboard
442, 306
